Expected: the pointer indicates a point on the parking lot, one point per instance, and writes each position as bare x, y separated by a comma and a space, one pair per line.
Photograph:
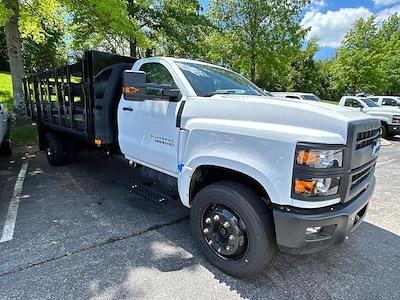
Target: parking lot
80, 232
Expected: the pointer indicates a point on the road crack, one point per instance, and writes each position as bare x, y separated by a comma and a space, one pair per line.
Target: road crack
97, 245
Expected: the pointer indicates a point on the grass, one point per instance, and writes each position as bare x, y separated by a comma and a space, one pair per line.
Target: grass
24, 134
6, 89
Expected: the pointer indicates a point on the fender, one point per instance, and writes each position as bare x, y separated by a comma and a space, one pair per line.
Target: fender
185, 175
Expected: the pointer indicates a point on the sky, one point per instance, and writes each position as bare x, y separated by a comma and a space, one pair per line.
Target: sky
329, 20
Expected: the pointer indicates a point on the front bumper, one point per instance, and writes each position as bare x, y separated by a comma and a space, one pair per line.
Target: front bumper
336, 223
394, 129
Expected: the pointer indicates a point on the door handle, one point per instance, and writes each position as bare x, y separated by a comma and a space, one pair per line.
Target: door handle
127, 108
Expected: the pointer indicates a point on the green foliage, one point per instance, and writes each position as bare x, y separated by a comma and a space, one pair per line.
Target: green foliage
4, 65
97, 22
5, 13
6, 89
357, 66
263, 37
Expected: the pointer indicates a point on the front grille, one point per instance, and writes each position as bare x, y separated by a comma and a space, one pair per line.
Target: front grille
366, 138
359, 178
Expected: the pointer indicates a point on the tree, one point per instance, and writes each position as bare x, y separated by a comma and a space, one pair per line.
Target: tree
263, 35
4, 65
304, 73
357, 66
173, 27
389, 34
10, 17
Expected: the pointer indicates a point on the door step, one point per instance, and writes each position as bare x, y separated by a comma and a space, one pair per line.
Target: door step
151, 194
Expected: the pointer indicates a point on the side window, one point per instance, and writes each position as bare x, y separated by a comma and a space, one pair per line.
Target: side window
389, 102
100, 83
156, 73
352, 103
374, 99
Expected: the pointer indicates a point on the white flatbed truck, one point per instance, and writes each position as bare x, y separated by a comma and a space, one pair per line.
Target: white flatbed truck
258, 173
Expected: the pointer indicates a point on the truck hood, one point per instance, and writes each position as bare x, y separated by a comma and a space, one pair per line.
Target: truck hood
292, 119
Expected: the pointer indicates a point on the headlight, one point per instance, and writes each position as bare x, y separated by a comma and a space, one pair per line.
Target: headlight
396, 119
319, 159
317, 186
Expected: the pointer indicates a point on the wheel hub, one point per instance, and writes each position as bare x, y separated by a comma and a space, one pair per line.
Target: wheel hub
224, 231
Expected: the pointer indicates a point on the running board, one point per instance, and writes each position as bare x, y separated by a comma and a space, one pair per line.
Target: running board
151, 194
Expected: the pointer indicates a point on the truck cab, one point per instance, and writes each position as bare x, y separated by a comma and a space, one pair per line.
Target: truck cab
389, 116
256, 171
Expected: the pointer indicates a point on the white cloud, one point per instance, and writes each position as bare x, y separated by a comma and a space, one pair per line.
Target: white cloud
385, 2
386, 13
318, 3
330, 27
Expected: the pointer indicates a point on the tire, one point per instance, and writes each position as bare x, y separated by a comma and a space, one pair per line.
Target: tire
384, 132
55, 151
260, 247
6, 145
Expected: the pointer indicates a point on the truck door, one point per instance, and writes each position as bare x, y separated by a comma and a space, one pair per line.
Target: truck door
147, 129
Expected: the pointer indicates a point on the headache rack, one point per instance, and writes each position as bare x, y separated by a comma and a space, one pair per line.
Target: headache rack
80, 99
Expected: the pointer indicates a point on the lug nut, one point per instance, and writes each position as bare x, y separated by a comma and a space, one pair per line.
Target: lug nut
216, 218
231, 237
205, 231
208, 221
226, 225
210, 242
219, 250
228, 248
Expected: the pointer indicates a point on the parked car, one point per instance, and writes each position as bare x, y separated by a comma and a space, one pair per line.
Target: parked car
299, 96
5, 127
257, 172
389, 117
390, 101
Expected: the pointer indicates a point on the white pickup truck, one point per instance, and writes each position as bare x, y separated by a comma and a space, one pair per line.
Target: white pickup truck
5, 126
388, 116
386, 101
257, 172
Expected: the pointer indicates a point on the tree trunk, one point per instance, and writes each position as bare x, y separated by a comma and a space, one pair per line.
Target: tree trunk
253, 68
14, 49
133, 48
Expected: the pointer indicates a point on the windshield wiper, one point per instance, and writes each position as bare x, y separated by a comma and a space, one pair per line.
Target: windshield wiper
210, 94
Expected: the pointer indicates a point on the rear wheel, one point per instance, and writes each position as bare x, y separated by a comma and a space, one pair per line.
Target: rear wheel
234, 229
55, 151
6, 145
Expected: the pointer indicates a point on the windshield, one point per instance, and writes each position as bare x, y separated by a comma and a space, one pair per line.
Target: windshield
208, 80
311, 98
369, 102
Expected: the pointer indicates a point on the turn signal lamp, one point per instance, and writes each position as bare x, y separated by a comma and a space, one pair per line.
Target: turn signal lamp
97, 142
317, 186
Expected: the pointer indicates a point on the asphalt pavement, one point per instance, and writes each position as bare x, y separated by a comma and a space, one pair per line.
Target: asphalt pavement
81, 233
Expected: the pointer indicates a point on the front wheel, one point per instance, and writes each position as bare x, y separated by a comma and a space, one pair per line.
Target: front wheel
234, 229
384, 131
